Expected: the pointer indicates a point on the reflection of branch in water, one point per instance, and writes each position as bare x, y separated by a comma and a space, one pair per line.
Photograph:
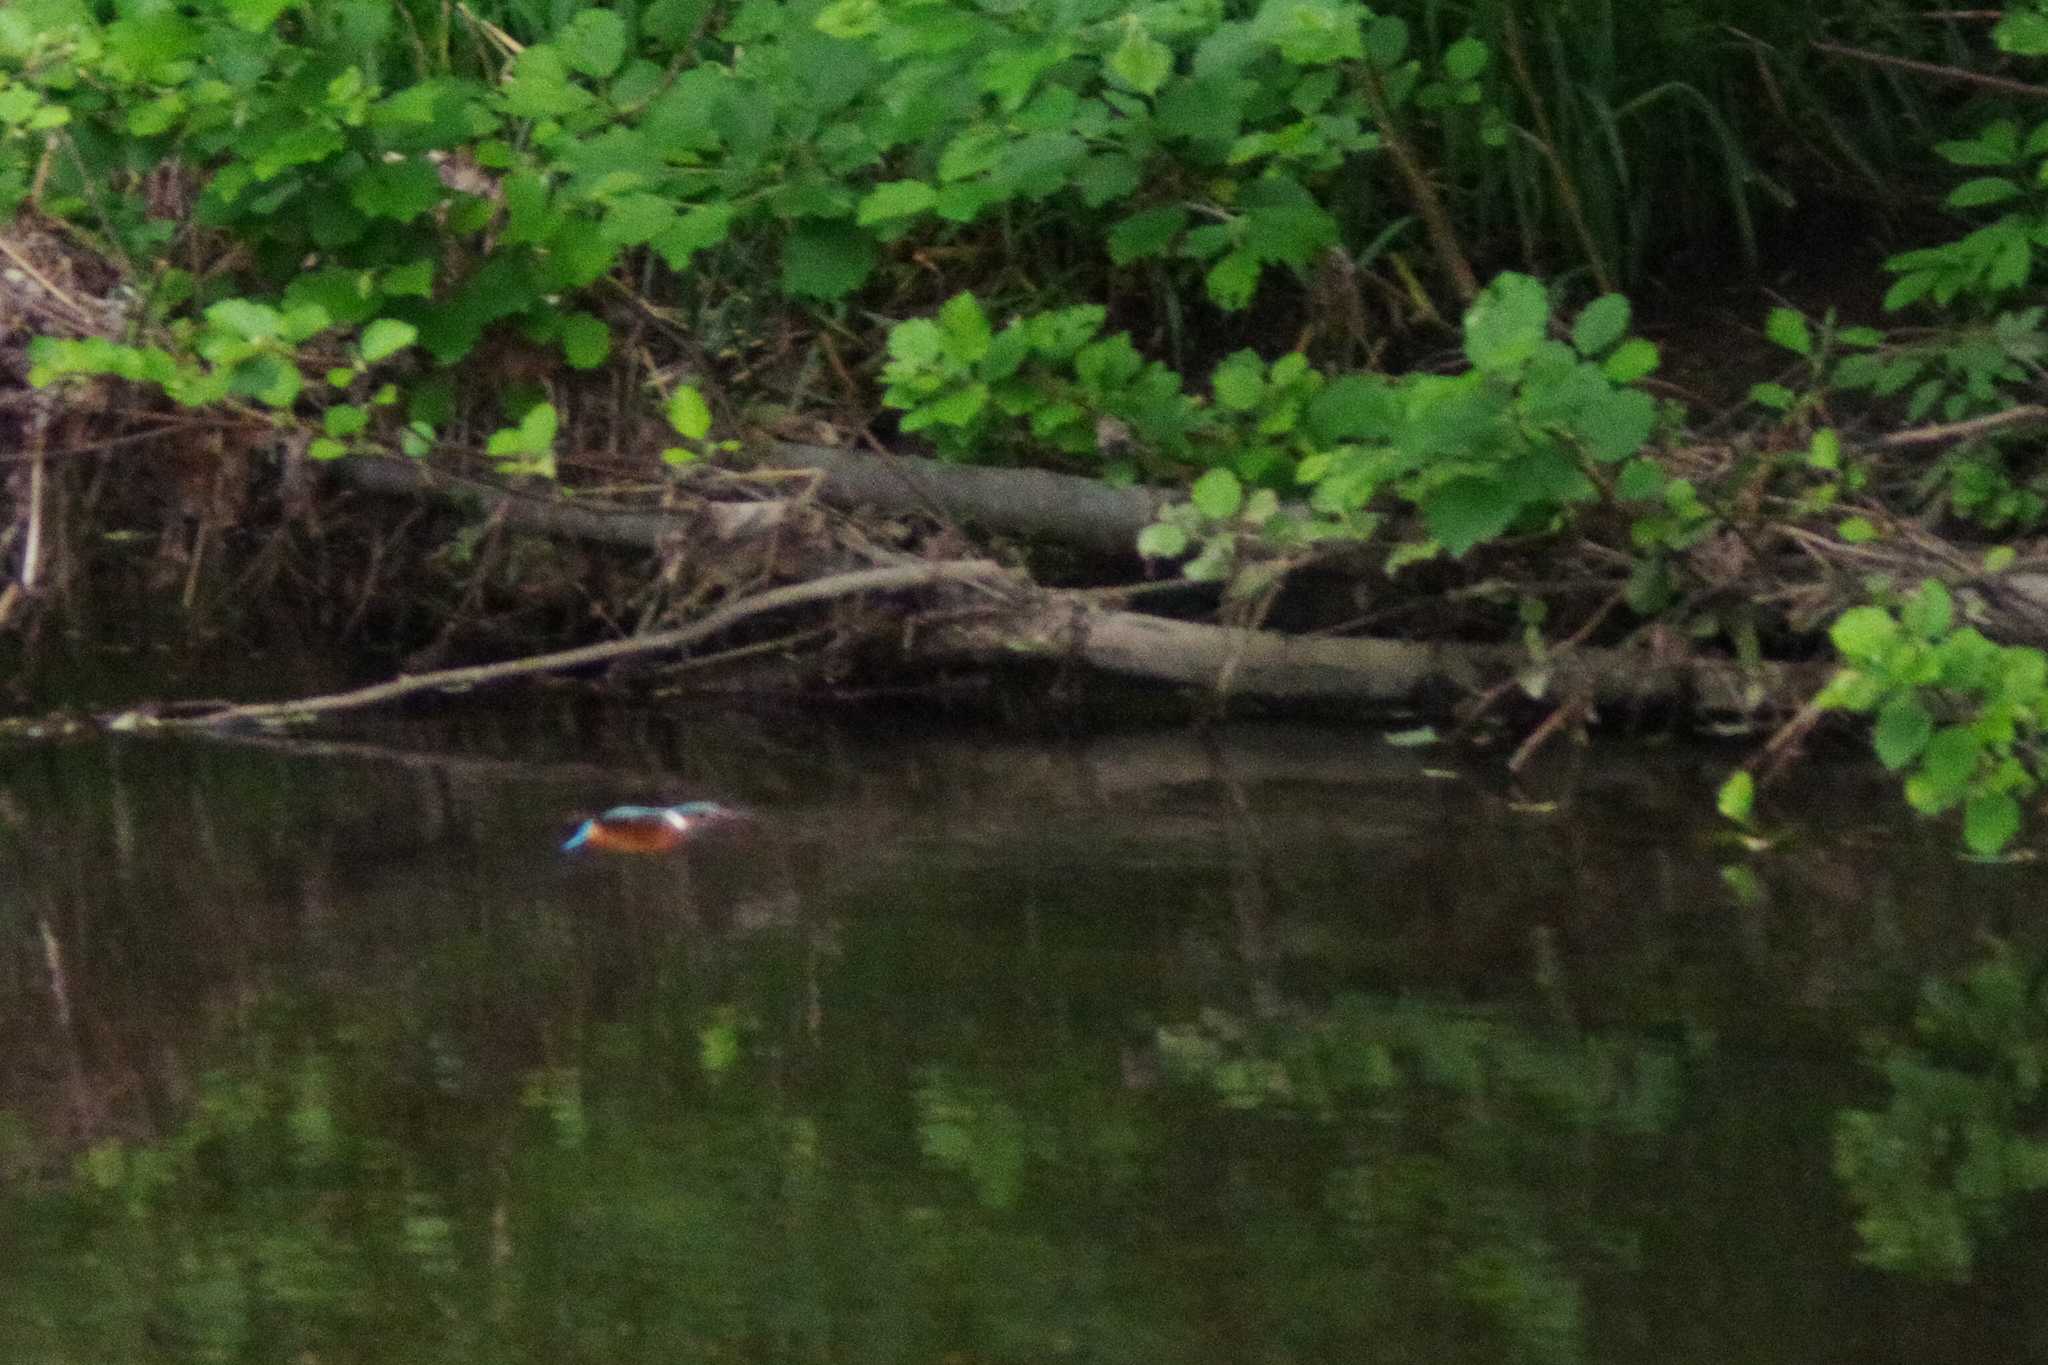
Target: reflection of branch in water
82, 1110
1251, 867
53, 957
480, 765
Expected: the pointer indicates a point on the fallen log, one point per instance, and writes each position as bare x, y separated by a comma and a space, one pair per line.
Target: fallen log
598, 522
1276, 667
1032, 623
1085, 513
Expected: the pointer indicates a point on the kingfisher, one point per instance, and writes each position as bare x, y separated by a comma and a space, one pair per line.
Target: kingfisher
648, 829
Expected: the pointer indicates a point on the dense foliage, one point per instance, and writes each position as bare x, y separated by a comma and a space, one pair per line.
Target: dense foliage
330, 216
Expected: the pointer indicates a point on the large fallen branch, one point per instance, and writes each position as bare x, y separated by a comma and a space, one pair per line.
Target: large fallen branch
1217, 659
1278, 667
1028, 623
552, 514
1085, 513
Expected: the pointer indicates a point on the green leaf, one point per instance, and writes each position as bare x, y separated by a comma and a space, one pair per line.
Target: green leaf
850, 19
823, 259
1603, 323
1990, 189
916, 344
529, 447
1162, 541
1312, 32
2024, 33
1862, 633
1851, 689
398, 190
1012, 73
345, 419
895, 199
1903, 728
540, 87
255, 16
246, 319
1140, 62
631, 219
956, 409
1737, 797
688, 413
1856, 530
1632, 360
1232, 281
1465, 59
1990, 820
704, 226
965, 327
160, 115
1239, 382
1387, 40
594, 42
1931, 612
1213, 563
672, 21
1617, 424
1148, 233
385, 338
1466, 511
1355, 407
270, 379
1776, 397
1999, 558
528, 216
1640, 480
1218, 495
1948, 764
1787, 327
1824, 450
586, 341
1505, 325
1107, 178
975, 150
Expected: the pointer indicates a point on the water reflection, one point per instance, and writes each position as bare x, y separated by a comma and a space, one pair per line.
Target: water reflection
1268, 1045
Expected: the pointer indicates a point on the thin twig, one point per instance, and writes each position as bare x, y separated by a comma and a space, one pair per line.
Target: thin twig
2004, 84
32, 545
462, 679
1570, 710
2025, 415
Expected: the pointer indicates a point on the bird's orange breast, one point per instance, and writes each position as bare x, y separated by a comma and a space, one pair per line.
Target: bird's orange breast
634, 836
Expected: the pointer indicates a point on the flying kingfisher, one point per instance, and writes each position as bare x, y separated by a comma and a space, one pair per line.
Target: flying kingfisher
648, 829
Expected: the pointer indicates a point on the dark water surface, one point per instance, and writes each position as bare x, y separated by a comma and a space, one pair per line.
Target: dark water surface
1279, 1045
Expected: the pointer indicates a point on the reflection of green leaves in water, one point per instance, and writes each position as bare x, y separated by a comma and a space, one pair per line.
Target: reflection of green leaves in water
1940, 1168
1466, 1141
968, 1129
558, 1093
1383, 1181
718, 1042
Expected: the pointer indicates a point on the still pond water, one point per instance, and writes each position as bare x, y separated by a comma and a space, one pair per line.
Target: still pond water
1270, 1045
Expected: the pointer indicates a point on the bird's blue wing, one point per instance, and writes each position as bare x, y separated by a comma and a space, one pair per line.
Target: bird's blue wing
623, 813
